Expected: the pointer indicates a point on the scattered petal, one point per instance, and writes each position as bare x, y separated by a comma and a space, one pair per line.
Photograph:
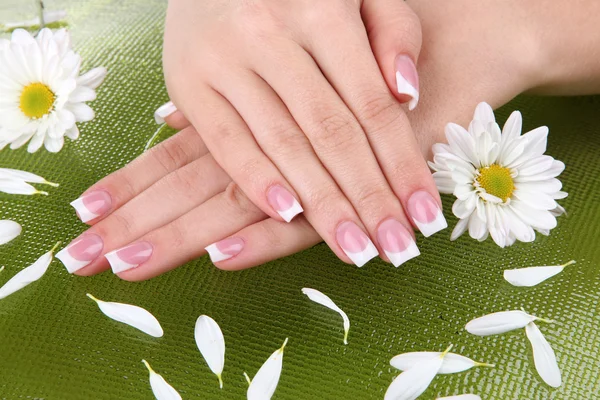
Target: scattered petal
15, 174
161, 388
28, 275
131, 315
324, 300
263, 386
461, 397
9, 230
11, 186
211, 343
500, 322
452, 364
543, 356
413, 382
531, 276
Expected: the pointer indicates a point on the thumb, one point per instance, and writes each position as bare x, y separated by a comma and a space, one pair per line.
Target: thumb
395, 35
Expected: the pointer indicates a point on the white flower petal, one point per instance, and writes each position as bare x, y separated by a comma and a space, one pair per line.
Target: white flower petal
413, 382
468, 396
532, 276
452, 363
461, 143
8, 173
131, 315
9, 230
543, 356
459, 229
211, 343
160, 387
93, 78
28, 275
324, 300
484, 113
263, 386
18, 187
500, 322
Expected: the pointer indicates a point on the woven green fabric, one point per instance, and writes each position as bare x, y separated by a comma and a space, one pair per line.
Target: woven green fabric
55, 343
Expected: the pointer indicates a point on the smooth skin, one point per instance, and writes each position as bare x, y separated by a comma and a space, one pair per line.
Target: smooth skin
199, 204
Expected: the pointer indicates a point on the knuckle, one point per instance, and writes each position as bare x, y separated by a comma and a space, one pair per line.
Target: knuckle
237, 200
171, 155
329, 14
259, 20
286, 140
334, 131
372, 197
120, 224
183, 181
381, 114
321, 201
177, 235
271, 239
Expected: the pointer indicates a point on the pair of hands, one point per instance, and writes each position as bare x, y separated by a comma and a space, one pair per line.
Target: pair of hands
297, 103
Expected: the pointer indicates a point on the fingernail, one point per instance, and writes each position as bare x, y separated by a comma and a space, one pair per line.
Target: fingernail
81, 252
355, 243
92, 205
283, 202
164, 111
225, 249
129, 257
407, 79
397, 242
426, 213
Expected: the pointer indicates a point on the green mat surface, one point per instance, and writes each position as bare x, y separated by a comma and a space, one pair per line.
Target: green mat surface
55, 344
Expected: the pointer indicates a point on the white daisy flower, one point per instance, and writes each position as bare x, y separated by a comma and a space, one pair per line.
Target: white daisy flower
504, 184
42, 95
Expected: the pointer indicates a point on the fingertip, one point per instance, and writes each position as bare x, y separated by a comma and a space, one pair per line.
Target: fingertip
177, 120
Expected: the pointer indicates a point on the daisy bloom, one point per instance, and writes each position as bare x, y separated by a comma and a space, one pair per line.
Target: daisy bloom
42, 95
504, 184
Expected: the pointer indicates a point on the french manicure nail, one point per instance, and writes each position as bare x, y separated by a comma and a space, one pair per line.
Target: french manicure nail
164, 111
283, 202
407, 79
225, 249
426, 213
129, 257
355, 243
92, 205
397, 242
81, 252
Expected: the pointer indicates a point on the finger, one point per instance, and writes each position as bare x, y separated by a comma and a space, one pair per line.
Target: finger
385, 123
118, 188
263, 241
185, 238
166, 200
169, 113
232, 145
278, 135
394, 31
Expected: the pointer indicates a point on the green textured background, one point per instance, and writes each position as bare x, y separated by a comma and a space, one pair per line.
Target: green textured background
55, 344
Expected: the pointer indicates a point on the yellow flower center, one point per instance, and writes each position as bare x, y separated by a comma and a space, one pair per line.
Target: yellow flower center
497, 181
36, 100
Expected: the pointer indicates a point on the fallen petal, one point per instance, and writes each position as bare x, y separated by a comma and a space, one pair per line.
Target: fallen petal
461, 397
8, 231
15, 174
500, 322
28, 275
531, 276
543, 356
413, 382
211, 343
324, 300
11, 186
452, 364
131, 315
266, 379
161, 388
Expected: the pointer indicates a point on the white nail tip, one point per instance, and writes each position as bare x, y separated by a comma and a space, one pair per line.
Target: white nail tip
324, 300
9, 230
160, 387
215, 254
84, 214
404, 87
71, 264
264, 383
361, 258
116, 264
532, 276
543, 356
291, 212
164, 111
131, 315
401, 257
211, 343
429, 228
28, 275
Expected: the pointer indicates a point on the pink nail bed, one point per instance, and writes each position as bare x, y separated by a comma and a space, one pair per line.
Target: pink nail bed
225, 249
81, 252
426, 213
355, 243
129, 257
92, 205
283, 202
397, 242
